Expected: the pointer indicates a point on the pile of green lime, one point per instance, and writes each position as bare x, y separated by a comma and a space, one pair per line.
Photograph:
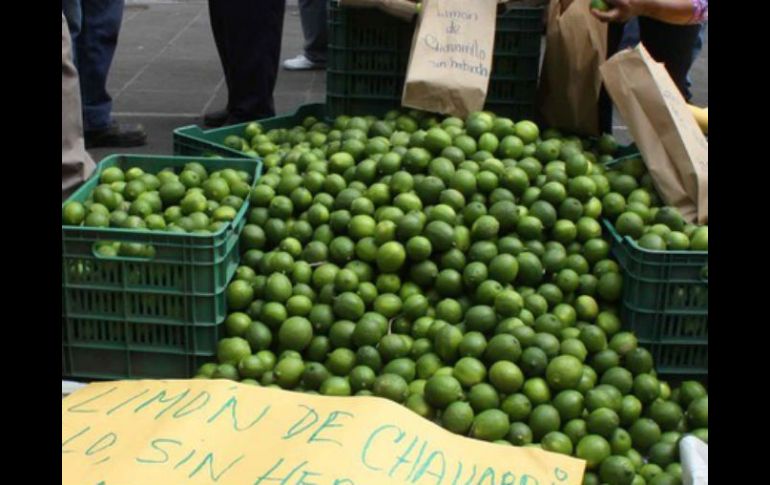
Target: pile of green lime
456, 267
191, 201
634, 207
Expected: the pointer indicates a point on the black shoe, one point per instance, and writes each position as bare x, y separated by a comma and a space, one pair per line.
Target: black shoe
117, 135
215, 119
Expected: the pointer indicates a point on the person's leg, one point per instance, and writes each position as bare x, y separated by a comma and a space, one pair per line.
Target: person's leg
95, 49
614, 37
96, 46
76, 164
313, 16
217, 14
253, 56
673, 45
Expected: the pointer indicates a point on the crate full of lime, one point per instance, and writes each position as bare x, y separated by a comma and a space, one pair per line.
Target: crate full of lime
458, 267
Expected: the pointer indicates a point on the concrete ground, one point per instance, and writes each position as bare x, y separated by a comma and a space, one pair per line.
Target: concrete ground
166, 72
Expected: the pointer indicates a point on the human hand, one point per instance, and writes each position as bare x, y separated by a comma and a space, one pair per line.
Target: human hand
616, 10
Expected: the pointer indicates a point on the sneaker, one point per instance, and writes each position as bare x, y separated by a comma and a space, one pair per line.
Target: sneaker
215, 119
302, 63
117, 135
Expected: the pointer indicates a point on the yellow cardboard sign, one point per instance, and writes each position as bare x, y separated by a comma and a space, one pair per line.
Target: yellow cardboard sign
201, 432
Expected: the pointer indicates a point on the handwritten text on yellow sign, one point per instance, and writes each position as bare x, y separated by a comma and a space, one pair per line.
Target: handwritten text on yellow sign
219, 432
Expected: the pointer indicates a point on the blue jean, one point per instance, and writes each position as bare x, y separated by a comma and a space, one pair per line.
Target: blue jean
94, 27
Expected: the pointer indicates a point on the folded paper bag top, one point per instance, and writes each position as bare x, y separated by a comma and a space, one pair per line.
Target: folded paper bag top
451, 58
670, 140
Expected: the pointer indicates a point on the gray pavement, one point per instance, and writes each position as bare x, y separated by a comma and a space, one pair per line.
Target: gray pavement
166, 72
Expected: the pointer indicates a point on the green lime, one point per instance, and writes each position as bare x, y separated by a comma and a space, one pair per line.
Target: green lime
458, 417
503, 347
569, 404
295, 333
341, 333
340, 361
226, 371
544, 419
537, 391
349, 306
575, 429
390, 257
335, 386
239, 295
490, 425
506, 377
619, 378
594, 449
427, 365
519, 434
472, 344
288, 372
644, 433
698, 413
564, 372
469, 371
417, 404
557, 442
631, 409
441, 391
689, 392
533, 359
646, 388
237, 323
603, 421
403, 367
617, 470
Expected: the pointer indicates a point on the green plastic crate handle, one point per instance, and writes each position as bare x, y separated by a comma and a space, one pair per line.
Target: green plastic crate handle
98, 255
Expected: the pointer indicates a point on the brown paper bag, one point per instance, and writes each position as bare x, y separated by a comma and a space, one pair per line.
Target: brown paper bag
576, 45
670, 140
404, 9
451, 58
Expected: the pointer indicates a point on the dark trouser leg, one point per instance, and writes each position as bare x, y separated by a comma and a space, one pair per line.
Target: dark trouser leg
673, 45
313, 17
95, 47
614, 36
253, 45
218, 12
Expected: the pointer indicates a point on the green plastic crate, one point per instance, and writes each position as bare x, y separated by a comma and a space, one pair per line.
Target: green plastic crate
194, 141
126, 350
369, 52
134, 317
665, 303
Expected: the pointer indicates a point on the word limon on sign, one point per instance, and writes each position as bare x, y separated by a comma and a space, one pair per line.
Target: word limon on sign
220, 432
